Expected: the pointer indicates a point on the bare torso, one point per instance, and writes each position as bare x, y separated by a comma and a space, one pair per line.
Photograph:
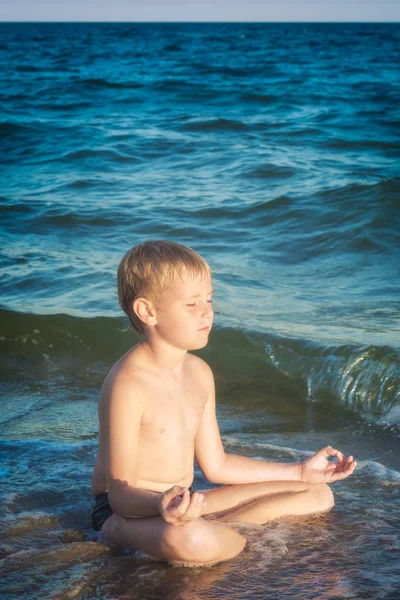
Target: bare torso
172, 415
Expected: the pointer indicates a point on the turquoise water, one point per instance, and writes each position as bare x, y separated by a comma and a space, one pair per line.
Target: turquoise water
271, 149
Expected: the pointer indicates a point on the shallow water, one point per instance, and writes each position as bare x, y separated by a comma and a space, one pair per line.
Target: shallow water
273, 150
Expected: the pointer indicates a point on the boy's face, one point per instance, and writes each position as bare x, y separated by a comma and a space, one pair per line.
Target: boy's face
185, 313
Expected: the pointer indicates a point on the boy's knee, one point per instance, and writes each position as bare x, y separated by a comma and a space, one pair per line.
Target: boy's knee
191, 543
325, 496
197, 544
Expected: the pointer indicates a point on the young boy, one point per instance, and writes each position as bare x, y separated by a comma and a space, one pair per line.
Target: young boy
157, 412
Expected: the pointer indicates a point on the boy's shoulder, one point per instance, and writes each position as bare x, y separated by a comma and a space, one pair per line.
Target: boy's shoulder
127, 372
200, 366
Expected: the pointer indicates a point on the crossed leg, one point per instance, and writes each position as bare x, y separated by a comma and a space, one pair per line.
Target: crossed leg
264, 501
197, 542
208, 540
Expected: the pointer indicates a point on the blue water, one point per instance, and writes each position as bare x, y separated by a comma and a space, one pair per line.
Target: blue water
271, 149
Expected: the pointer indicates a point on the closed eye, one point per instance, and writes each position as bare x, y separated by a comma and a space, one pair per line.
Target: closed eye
194, 304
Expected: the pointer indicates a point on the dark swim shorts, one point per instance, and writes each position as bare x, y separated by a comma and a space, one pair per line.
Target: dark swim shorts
102, 509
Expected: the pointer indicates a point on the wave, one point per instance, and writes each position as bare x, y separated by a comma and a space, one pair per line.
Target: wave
350, 218
15, 208
365, 379
88, 153
87, 183
347, 144
215, 125
62, 105
110, 155
386, 190
271, 171
10, 128
374, 204
259, 97
362, 379
105, 83
38, 216
174, 47
25, 68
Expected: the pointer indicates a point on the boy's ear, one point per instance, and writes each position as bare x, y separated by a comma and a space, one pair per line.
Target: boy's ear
143, 308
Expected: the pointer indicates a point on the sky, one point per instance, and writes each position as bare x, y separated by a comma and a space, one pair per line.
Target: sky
200, 10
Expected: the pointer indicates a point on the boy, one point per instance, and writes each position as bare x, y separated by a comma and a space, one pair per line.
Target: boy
157, 412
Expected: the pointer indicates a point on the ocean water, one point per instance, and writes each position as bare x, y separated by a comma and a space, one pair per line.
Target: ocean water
274, 151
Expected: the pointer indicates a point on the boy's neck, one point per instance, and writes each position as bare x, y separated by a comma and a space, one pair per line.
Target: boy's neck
166, 359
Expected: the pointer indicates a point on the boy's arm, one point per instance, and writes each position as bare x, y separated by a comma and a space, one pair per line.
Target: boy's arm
123, 413
221, 467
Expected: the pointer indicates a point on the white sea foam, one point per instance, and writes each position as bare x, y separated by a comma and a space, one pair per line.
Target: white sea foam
392, 417
281, 450
82, 551
386, 477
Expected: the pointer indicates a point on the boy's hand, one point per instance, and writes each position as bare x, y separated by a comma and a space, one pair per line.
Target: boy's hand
178, 507
317, 468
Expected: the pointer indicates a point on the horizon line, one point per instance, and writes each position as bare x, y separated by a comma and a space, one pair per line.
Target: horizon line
203, 22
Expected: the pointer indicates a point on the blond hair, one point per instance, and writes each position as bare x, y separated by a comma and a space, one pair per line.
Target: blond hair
146, 269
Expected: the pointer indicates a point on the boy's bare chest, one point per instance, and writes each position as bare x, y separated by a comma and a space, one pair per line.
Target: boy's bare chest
173, 412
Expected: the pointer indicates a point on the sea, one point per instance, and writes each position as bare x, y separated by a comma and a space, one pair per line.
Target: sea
273, 150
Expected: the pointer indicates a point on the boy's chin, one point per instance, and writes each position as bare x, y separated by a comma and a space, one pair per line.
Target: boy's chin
199, 345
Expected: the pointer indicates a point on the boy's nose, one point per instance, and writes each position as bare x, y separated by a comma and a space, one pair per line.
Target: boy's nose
208, 310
